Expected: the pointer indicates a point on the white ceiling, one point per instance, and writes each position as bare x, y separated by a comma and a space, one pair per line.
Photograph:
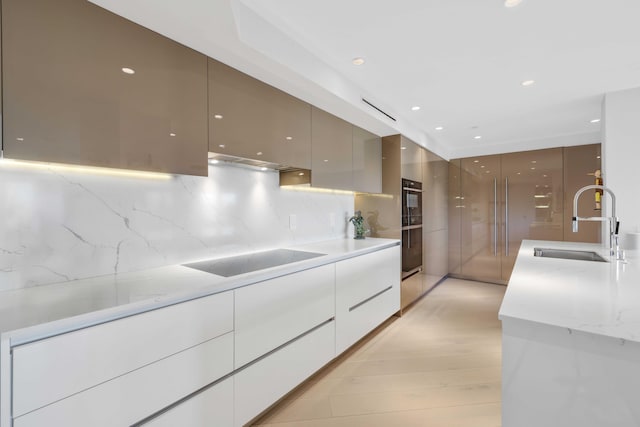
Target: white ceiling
461, 61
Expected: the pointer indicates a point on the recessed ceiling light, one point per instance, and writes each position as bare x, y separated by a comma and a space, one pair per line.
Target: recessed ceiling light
415, 108
481, 166
403, 148
289, 138
217, 116
259, 153
439, 128
172, 134
128, 70
221, 145
527, 82
476, 161
214, 162
357, 61
512, 3
594, 121
518, 173
534, 161
19, 139
597, 157
487, 171
301, 174
477, 137
326, 160
264, 169
533, 169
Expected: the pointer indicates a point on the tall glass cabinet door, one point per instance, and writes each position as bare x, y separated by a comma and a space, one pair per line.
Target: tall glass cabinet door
480, 205
454, 217
533, 200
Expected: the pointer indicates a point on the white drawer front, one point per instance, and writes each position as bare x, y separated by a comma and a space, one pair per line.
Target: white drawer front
361, 277
211, 408
52, 369
367, 293
355, 324
138, 394
271, 313
260, 385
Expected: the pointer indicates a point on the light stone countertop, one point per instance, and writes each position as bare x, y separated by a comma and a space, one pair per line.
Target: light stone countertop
601, 298
34, 313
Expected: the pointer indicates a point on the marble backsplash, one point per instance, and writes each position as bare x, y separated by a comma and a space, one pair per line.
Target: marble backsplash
59, 225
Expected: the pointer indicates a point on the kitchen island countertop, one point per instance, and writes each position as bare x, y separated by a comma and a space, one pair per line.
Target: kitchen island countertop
602, 298
571, 340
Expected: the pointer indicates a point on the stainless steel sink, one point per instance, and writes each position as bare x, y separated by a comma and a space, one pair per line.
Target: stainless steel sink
568, 254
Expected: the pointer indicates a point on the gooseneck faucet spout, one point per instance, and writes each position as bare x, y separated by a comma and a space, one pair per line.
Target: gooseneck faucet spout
614, 224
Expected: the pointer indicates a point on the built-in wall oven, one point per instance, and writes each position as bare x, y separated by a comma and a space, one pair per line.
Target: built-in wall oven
411, 227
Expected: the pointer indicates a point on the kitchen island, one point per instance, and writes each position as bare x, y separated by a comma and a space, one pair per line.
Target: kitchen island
571, 340
178, 345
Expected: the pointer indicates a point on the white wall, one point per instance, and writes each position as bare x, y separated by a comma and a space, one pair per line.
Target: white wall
59, 225
621, 154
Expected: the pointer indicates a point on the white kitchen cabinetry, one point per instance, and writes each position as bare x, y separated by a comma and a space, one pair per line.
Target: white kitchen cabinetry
271, 313
211, 407
367, 293
218, 360
261, 384
117, 373
136, 395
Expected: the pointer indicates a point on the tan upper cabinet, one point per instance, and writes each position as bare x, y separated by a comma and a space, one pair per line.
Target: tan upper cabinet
85, 86
411, 159
331, 151
250, 119
367, 161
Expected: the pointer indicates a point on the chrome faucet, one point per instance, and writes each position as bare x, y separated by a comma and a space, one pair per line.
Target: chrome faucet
614, 224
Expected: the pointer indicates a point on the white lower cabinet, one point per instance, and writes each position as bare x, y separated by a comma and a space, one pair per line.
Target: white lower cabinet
367, 293
161, 367
261, 384
212, 407
271, 313
130, 398
55, 368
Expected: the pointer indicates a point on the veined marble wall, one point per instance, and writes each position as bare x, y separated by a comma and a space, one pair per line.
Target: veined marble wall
59, 225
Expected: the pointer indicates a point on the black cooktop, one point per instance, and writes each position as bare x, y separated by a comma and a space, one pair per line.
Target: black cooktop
241, 264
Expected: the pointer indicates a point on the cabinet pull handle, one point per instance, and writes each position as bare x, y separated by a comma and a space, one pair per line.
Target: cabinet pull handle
506, 216
495, 217
370, 298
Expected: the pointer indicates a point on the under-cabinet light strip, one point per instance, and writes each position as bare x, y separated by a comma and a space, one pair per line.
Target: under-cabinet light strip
93, 170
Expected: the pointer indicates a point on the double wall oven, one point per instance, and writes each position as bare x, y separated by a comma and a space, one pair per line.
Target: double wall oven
411, 227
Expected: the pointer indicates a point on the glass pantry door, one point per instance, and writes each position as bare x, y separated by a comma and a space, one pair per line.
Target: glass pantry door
532, 195
479, 206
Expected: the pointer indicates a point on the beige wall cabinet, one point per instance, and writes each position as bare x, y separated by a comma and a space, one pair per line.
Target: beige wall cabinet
412, 159
497, 201
367, 161
250, 119
383, 214
580, 165
434, 219
331, 151
68, 99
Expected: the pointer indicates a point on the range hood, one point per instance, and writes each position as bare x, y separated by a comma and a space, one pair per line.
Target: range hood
288, 175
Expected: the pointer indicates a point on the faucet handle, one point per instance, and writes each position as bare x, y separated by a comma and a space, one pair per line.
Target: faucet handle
617, 227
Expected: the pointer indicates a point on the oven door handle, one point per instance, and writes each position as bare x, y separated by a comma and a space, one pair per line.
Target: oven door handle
411, 189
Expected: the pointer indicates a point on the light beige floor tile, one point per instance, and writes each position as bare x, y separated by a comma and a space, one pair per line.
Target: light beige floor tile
438, 365
369, 403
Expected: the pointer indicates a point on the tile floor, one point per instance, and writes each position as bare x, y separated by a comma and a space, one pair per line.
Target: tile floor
438, 365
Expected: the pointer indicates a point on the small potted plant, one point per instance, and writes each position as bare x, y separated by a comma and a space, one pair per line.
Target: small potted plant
358, 225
